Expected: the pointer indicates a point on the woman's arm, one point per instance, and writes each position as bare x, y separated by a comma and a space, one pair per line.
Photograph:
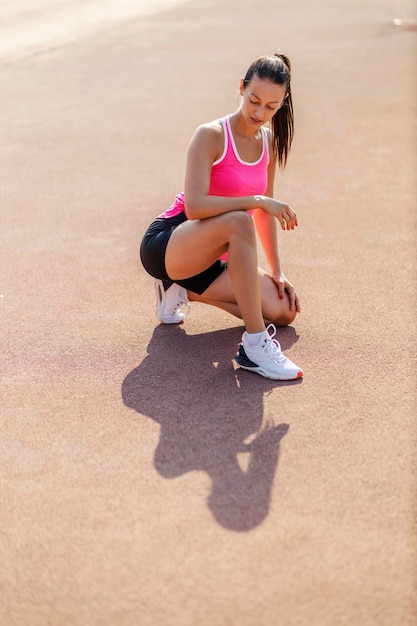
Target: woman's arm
266, 227
266, 224
205, 148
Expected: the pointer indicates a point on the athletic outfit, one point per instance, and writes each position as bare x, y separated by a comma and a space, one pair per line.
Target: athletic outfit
230, 177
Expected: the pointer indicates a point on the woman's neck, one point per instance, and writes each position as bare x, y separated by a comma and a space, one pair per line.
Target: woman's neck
239, 127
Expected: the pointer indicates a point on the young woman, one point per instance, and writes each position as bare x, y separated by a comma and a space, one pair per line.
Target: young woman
203, 248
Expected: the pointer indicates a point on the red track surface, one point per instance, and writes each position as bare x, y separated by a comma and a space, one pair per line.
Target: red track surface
146, 481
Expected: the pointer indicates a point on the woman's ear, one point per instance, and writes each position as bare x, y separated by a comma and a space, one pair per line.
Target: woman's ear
242, 86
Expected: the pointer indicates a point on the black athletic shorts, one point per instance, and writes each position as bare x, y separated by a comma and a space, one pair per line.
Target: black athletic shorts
152, 255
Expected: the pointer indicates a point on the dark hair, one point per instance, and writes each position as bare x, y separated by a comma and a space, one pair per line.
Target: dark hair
277, 69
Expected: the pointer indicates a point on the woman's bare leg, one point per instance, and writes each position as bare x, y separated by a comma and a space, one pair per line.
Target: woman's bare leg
220, 294
196, 244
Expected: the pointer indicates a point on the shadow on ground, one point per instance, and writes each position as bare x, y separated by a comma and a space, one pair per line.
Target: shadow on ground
211, 417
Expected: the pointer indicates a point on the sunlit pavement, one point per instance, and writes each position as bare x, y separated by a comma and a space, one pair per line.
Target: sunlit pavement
145, 479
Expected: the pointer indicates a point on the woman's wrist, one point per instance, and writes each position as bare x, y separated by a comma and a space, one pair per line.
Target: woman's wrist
275, 267
260, 201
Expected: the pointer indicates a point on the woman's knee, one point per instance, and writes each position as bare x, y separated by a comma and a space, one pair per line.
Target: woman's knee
276, 310
284, 318
240, 224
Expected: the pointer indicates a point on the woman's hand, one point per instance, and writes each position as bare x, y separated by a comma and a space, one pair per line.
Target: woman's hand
283, 212
284, 285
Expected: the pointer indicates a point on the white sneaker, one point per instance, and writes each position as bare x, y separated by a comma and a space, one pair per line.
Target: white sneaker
266, 358
170, 303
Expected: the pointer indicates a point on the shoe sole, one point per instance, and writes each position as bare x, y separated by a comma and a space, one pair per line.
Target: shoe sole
159, 291
246, 364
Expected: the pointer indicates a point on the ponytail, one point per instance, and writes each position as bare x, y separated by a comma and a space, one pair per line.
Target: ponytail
277, 69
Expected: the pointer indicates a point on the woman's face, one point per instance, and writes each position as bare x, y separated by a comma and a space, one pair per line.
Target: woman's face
261, 99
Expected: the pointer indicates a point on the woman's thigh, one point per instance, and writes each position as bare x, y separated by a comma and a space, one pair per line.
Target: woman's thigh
197, 244
153, 249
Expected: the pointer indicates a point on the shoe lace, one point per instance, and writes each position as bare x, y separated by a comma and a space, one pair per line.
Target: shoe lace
272, 346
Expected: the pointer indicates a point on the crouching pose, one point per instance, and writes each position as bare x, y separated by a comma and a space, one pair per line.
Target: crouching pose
203, 248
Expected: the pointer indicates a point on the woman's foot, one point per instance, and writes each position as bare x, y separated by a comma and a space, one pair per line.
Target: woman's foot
266, 358
172, 304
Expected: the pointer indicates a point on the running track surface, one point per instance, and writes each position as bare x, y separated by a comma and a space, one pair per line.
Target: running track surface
145, 480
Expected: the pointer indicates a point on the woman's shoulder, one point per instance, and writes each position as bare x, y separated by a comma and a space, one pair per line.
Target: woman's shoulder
270, 140
268, 134
211, 129
210, 135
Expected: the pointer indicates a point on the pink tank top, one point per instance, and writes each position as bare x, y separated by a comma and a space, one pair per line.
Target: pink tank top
230, 175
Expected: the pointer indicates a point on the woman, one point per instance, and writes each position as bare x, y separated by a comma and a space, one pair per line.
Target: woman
204, 247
